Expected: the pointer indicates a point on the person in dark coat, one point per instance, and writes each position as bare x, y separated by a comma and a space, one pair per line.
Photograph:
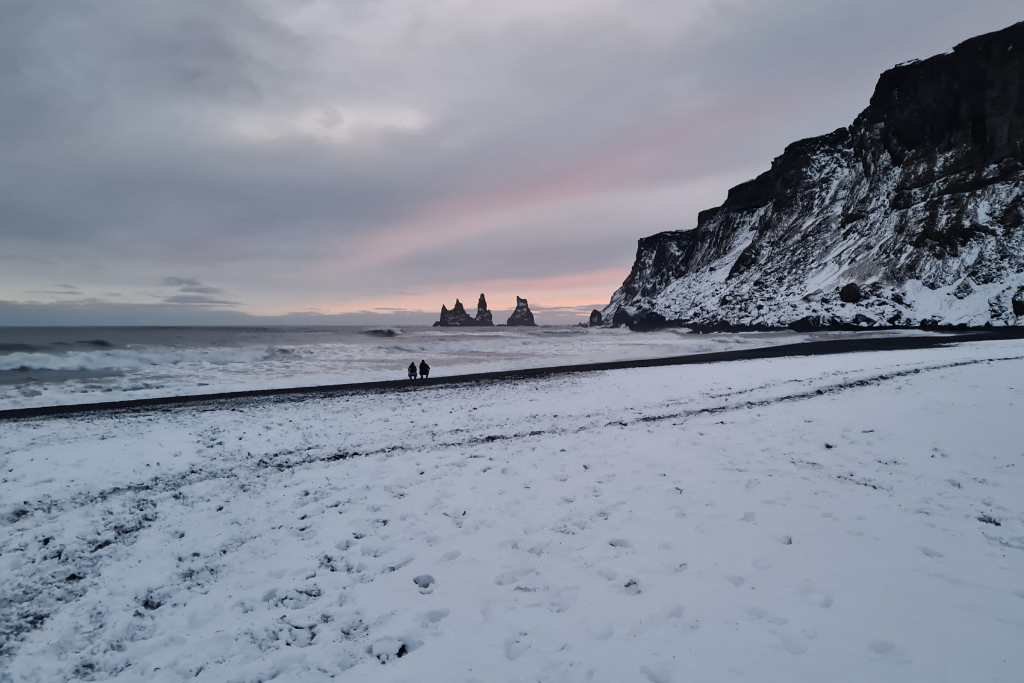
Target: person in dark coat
412, 370
424, 369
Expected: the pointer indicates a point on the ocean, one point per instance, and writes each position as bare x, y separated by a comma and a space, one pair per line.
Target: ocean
62, 365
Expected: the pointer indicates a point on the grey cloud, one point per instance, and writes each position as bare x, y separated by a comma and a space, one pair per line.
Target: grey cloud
196, 137
197, 300
58, 290
585, 309
192, 292
189, 285
173, 281
100, 312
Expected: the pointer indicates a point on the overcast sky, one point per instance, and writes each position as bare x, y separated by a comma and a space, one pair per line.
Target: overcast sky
188, 160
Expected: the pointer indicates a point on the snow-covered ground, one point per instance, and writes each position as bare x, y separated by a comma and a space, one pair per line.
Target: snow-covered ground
833, 518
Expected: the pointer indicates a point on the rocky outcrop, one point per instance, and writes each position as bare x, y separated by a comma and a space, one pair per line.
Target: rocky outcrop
522, 316
850, 294
912, 215
483, 316
457, 317
595, 318
641, 321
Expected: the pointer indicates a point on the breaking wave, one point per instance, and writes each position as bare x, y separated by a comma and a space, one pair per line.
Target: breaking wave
15, 348
127, 360
96, 343
53, 347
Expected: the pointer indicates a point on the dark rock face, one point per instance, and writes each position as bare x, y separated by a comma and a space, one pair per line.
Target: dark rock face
642, 321
814, 323
861, 320
522, 316
595, 318
483, 316
1018, 302
913, 213
646, 321
850, 294
457, 317
621, 317
445, 316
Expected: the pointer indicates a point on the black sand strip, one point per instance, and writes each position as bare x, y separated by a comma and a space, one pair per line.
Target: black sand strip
816, 348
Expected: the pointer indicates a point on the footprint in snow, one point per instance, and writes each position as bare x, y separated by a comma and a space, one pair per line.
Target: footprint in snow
989, 519
675, 612
400, 563
510, 577
562, 600
761, 614
517, 645
792, 644
661, 674
388, 649
435, 616
810, 593
425, 583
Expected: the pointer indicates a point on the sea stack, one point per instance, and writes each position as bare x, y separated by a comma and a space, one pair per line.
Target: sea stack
522, 316
483, 316
595, 318
457, 316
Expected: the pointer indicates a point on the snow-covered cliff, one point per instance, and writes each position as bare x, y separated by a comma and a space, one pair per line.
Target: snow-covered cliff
919, 205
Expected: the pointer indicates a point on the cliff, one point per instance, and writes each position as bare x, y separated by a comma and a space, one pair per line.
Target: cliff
915, 211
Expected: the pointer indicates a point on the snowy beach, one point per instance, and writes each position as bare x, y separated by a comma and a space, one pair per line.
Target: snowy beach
503, 342
843, 518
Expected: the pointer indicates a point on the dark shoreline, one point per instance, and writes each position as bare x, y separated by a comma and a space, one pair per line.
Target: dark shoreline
815, 348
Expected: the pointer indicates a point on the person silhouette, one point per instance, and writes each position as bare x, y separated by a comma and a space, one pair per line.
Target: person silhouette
412, 370
424, 369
